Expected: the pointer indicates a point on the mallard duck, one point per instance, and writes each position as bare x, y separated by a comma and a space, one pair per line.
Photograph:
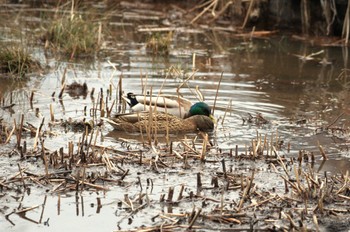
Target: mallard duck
171, 104
199, 118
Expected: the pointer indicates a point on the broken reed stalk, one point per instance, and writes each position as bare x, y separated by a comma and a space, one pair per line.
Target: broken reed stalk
224, 168
212, 4
43, 209
81, 147
120, 88
90, 141
19, 132
109, 110
11, 132
193, 62
265, 144
217, 92
52, 117
228, 108
103, 106
204, 146
43, 156
77, 180
280, 161
292, 222
170, 194
323, 153
63, 81
346, 24
335, 120
254, 148
22, 178
221, 11
99, 36
300, 188
199, 6
199, 94
38, 133
250, 8
199, 180
31, 99
61, 92
106, 108
94, 108
101, 102
194, 218
92, 93
156, 158
110, 91
181, 192
314, 218
246, 191
84, 177
149, 130
58, 204
27, 210
305, 16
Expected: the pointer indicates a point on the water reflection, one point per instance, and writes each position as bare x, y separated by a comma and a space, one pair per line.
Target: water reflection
334, 166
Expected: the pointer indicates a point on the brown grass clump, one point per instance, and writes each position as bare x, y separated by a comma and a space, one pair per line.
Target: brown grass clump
16, 61
159, 43
73, 35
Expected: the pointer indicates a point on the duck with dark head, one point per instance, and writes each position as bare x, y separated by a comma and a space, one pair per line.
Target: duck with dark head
197, 118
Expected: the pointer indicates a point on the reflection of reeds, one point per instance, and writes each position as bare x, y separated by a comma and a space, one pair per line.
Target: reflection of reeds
305, 16
346, 24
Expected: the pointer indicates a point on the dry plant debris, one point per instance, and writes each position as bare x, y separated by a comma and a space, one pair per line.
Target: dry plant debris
299, 203
16, 61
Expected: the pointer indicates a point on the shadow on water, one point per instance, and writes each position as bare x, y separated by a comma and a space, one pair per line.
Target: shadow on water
300, 88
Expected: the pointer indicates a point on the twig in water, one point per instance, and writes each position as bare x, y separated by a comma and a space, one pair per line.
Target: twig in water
324, 155
180, 193
335, 120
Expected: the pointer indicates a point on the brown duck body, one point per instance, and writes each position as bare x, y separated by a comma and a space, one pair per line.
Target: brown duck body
159, 122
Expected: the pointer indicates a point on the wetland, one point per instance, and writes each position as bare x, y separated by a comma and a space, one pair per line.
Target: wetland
278, 158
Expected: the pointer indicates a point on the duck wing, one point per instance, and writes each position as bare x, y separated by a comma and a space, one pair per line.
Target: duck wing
172, 104
164, 101
132, 117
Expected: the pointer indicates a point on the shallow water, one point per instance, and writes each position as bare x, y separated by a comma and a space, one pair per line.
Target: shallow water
262, 75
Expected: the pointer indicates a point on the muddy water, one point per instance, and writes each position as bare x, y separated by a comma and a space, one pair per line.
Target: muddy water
267, 75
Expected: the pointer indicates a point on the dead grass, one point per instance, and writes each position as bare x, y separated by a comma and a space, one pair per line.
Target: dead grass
16, 61
159, 43
73, 35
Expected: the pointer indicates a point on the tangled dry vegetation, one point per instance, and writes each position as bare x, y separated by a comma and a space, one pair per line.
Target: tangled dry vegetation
298, 198
16, 61
74, 35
